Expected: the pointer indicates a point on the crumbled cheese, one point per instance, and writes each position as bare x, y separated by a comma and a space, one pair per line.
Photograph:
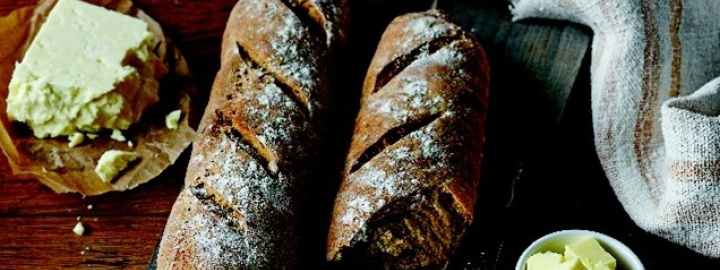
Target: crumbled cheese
112, 162
117, 135
74, 76
172, 119
79, 229
76, 139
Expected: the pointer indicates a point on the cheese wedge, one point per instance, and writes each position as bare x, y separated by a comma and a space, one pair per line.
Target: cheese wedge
87, 69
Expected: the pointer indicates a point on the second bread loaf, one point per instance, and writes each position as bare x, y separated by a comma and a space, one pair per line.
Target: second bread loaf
411, 175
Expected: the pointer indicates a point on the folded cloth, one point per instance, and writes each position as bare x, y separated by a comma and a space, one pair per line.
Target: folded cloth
657, 137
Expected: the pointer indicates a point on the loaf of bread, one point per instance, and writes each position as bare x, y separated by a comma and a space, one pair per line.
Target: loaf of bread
412, 171
260, 131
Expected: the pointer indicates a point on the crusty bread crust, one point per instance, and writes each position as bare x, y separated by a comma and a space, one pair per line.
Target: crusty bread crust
260, 130
411, 175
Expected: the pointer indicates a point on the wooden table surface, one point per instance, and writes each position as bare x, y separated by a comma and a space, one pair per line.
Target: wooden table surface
537, 145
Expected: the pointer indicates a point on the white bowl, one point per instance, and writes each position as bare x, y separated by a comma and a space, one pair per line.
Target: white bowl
626, 259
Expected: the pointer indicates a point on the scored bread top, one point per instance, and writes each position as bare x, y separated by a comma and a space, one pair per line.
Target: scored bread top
258, 135
271, 41
418, 139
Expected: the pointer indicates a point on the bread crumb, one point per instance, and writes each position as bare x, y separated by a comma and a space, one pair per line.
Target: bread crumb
76, 139
273, 167
79, 229
89, 207
78, 218
117, 135
172, 119
130, 144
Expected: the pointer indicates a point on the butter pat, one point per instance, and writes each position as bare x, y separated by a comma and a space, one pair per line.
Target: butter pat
552, 261
591, 255
172, 119
87, 69
112, 162
585, 254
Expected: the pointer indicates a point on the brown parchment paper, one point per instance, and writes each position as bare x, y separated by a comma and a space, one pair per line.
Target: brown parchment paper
66, 169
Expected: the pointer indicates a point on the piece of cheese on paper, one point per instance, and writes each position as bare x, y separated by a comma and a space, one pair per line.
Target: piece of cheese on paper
87, 69
112, 162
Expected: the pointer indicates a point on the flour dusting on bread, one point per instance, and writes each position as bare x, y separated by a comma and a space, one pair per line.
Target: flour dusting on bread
289, 55
239, 209
415, 144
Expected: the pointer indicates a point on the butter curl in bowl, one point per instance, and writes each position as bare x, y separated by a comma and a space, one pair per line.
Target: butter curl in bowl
86, 91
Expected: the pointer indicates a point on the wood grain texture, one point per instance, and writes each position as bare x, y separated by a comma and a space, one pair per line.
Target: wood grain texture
47, 242
121, 228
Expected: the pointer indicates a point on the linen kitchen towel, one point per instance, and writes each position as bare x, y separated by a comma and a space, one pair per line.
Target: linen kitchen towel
657, 137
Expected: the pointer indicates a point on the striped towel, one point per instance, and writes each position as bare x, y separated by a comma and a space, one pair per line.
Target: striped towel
656, 108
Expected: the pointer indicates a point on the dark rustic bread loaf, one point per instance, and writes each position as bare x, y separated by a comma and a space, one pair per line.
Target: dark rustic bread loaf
411, 175
260, 131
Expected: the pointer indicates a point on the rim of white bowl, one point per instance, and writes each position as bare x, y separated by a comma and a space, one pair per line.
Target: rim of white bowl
620, 251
